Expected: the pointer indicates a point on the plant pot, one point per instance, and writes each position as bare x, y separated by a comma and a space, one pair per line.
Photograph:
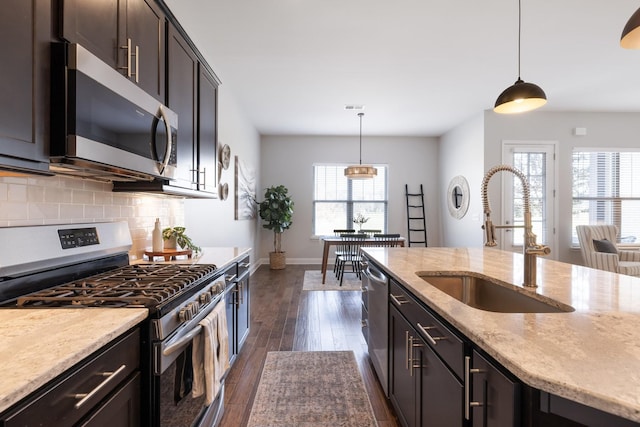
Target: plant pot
171, 243
277, 260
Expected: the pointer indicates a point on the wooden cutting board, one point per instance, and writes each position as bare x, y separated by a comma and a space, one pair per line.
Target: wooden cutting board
168, 254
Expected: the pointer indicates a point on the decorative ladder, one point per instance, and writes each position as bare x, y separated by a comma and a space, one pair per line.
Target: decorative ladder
416, 221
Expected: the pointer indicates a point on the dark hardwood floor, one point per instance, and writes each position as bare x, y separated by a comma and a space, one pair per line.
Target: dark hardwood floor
285, 318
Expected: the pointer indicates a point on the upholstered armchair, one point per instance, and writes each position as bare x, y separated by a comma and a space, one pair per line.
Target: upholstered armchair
599, 250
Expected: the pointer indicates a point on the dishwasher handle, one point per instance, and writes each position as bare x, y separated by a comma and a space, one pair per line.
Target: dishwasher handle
375, 275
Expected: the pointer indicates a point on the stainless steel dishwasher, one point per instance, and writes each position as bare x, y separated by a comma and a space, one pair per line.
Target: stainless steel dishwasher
376, 286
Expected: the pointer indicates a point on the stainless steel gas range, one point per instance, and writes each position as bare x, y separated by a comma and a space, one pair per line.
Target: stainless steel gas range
87, 265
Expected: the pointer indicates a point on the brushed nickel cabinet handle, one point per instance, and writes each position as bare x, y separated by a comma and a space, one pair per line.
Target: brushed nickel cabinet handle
468, 404
425, 330
128, 67
412, 345
84, 397
406, 340
137, 73
396, 300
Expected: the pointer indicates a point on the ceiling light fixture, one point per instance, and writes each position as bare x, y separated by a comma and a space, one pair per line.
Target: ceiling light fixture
521, 96
360, 171
630, 38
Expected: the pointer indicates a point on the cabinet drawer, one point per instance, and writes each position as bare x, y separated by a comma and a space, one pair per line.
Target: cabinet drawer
443, 341
80, 389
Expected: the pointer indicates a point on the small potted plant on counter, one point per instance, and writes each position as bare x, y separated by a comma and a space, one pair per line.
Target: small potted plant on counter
175, 236
276, 211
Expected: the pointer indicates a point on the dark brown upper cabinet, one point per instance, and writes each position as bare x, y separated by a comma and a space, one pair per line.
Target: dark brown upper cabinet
129, 35
24, 86
207, 131
182, 78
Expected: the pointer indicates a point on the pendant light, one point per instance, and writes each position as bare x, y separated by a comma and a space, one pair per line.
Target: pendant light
521, 96
630, 38
360, 171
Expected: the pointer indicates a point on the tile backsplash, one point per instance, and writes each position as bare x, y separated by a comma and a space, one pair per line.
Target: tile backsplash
35, 200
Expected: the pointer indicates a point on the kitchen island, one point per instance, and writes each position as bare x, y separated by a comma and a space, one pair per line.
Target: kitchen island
590, 355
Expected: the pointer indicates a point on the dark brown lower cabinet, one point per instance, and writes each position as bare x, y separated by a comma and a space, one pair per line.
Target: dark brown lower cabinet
102, 390
122, 409
494, 398
423, 390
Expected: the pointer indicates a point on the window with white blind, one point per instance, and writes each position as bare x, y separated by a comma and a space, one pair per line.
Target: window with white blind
606, 190
337, 200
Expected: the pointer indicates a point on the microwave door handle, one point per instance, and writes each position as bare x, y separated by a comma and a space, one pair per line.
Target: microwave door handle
167, 154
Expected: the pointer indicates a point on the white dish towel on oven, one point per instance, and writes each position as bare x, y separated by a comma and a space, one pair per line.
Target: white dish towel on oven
211, 354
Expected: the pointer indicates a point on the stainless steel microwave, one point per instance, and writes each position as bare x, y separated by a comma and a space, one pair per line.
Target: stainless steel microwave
105, 127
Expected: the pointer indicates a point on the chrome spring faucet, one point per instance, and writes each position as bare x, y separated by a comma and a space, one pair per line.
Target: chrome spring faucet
530, 248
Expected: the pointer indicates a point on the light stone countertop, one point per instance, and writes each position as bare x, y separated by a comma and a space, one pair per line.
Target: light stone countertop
220, 256
591, 355
37, 345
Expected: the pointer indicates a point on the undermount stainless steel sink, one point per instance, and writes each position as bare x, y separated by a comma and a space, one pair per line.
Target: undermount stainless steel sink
489, 294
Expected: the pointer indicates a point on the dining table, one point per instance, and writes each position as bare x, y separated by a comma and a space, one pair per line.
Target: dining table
368, 241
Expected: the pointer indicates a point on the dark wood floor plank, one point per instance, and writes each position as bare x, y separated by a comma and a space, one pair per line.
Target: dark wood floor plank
285, 318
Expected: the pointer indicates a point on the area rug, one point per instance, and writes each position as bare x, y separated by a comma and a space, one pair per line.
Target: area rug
311, 388
313, 282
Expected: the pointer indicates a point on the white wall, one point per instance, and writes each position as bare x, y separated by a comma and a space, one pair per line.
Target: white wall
289, 160
462, 153
212, 221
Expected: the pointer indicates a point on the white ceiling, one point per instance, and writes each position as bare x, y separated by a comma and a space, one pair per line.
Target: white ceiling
420, 67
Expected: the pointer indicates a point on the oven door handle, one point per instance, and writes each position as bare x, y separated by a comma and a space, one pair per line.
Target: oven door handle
179, 342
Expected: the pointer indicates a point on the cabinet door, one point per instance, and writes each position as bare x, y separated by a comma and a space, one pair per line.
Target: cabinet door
120, 410
24, 86
207, 131
442, 395
230, 301
146, 29
104, 27
242, 327
402, 386
94, 25
182, 69
496, 397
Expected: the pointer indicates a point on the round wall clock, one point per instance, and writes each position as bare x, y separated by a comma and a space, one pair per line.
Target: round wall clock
458, 196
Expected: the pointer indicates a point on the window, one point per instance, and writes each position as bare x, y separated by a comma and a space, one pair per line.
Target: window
336, 199
606, 190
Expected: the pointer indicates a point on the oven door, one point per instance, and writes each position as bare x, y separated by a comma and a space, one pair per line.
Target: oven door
173, 375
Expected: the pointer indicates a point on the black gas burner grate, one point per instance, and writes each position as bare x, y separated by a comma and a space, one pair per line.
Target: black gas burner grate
143, 285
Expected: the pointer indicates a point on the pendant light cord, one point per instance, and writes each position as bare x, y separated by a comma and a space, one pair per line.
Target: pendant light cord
360, 115
519, 33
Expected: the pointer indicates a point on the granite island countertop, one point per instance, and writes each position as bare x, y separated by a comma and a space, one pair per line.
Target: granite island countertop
590, 355
37, 345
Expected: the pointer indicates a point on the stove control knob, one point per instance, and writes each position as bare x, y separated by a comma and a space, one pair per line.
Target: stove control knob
205, 297
185, 313
195, 308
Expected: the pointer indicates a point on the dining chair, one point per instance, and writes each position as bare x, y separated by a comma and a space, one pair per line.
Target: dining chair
370, 232
351, 255
387, 239
340, 249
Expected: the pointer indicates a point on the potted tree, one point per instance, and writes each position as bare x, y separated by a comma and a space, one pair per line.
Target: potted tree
276, 211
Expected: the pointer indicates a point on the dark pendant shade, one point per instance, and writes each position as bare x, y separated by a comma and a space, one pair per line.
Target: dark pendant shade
630, 38
519, 98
